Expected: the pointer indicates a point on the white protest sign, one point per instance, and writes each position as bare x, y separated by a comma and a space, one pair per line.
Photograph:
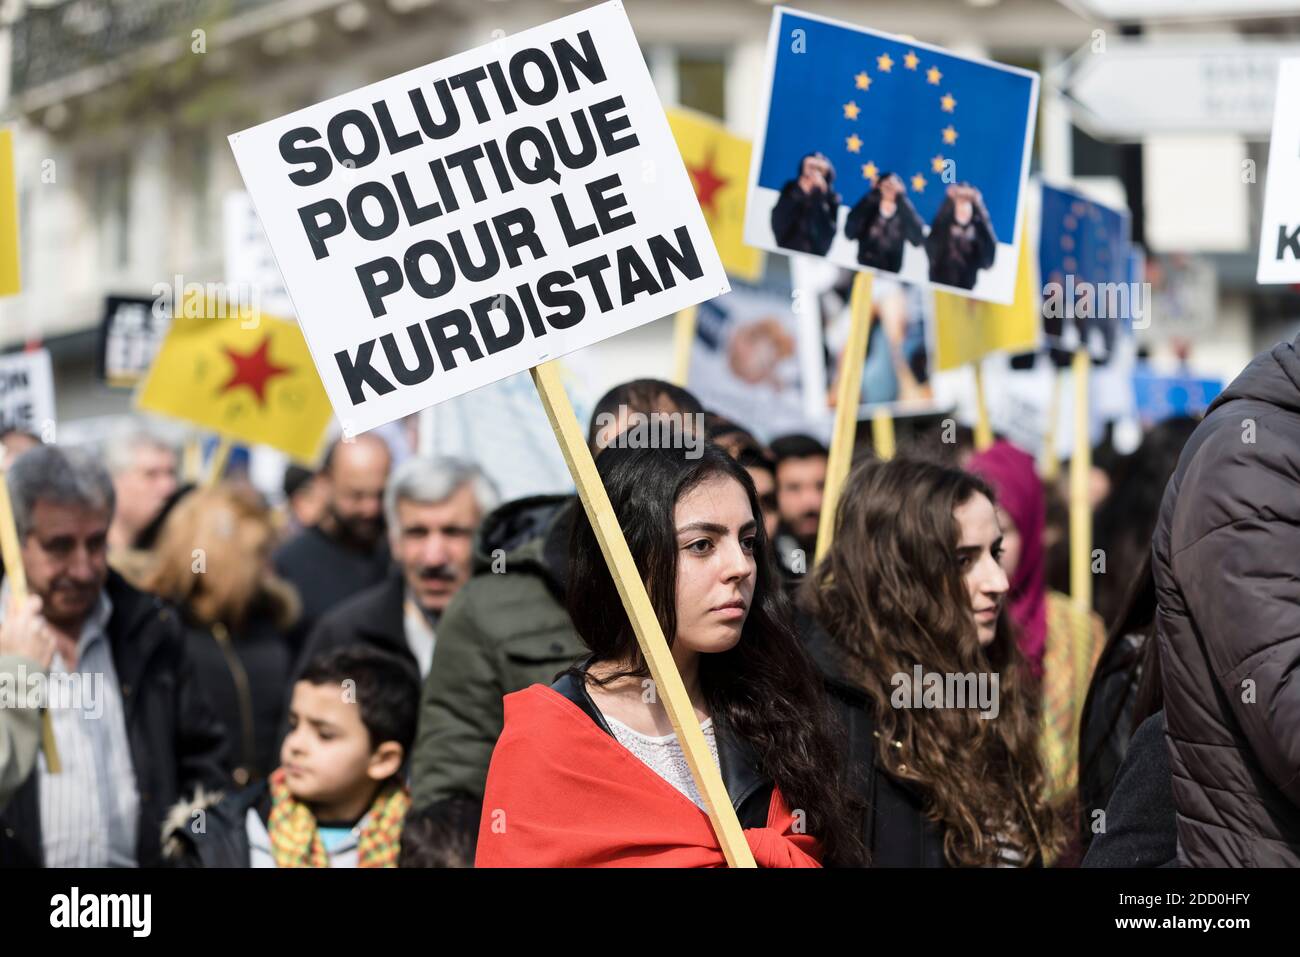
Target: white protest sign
27, 392
1279, 242
249, 261
470, 219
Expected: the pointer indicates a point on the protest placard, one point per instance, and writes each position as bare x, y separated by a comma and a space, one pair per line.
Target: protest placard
1279, 241
744, 364
896, 373
250, 264
886, 154
130, 335
1083, 259
27, 393
472, 218
538, 206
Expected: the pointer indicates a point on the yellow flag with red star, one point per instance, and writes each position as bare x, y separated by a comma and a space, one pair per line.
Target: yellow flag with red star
718, 162
10, 277
244, 375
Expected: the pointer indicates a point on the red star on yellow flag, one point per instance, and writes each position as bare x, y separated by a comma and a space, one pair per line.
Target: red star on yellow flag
851, 110
884, 63
933, 75
863, 81
911, 60
947, 102
707, 183
918, 183
253, 369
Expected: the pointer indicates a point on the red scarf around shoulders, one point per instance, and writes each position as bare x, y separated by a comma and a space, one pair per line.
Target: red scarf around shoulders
563, 793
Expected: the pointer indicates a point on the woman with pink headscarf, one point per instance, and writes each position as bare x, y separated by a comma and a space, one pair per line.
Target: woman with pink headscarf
1059, 644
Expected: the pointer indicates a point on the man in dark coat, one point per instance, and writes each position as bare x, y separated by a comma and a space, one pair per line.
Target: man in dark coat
345, 552
804, 217
433, 509
133, 729
1228, 622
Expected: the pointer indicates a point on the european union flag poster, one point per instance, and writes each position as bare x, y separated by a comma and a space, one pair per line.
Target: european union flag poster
891, 155
1084, 258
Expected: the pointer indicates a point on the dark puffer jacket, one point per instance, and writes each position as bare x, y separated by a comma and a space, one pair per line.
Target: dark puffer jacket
1228, 622
506, 629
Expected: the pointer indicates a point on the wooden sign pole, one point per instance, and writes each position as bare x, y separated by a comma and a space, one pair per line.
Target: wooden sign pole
847, 399
217, 464
983, 428
1049, 463
882, 434
649, 636
683, 339
17, 576
1080, 507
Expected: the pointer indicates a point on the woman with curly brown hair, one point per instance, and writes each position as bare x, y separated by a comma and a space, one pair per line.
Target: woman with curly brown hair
911, 633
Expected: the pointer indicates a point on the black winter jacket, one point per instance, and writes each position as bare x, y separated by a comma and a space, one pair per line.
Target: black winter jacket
177, 744
895, 830
1228, 622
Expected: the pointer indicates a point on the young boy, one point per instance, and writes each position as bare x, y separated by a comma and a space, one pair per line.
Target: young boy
338, 798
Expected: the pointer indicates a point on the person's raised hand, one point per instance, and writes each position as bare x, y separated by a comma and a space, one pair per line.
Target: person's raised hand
26, 633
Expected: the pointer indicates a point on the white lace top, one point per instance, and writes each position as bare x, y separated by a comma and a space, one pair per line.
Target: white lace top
663, 755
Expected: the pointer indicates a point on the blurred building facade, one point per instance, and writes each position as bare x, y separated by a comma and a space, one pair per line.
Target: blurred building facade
121, 110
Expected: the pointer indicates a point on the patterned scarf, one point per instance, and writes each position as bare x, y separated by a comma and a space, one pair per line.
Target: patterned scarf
295, 842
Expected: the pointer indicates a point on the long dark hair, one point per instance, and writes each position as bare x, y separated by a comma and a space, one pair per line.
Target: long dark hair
890, 594
765, 689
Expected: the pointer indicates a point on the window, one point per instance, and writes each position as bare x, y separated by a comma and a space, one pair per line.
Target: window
702, 82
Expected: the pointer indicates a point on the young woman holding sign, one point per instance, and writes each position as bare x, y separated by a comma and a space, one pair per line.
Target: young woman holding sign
588, 772
911, 630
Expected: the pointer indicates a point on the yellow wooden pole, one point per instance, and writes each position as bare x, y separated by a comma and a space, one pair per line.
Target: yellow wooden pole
1080, 507
882, 433
10, 268
17, 575
1049, 463
683, 339
217, 465
649, 635
983, 428
192, 460
847, 399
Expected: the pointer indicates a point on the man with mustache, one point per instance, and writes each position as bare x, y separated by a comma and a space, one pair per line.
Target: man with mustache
344, 553
800, 481
133, 728
433, 508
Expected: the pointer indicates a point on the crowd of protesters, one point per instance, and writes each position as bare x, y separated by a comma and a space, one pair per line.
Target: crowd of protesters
392, 667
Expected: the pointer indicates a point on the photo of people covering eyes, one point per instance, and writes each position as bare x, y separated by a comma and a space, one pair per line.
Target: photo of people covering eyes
805, 215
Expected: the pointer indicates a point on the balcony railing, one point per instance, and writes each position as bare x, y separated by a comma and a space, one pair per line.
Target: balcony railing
52, 42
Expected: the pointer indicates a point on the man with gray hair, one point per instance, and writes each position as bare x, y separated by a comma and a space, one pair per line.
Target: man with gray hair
133, 729
433, 508
143, 465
